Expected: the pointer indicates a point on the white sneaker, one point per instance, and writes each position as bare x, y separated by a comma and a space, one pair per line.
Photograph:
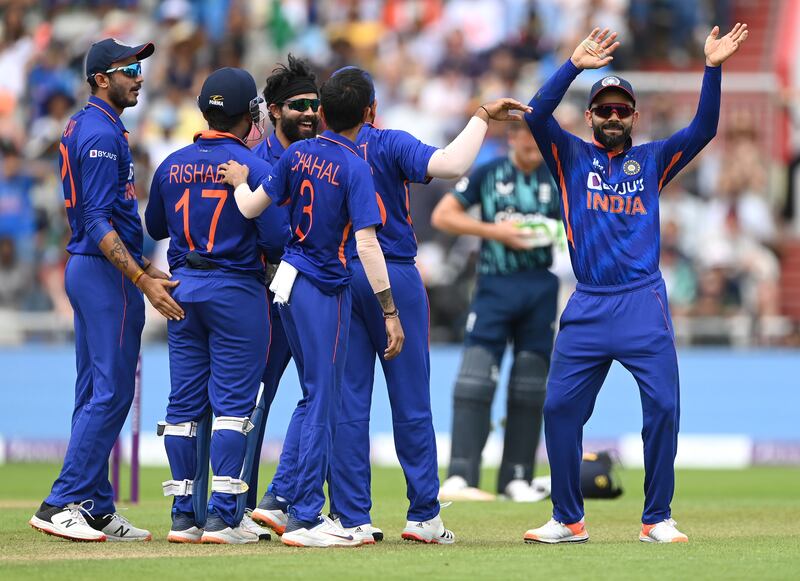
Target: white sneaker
252, 526
556, 532
218, 533
456, 488
662, 532
184, 529
325, 534
429, 531
368, 534
66, 522
524, 491
117, 528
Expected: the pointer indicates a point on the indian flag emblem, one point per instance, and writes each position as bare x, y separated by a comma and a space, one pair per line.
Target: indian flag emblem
631, 167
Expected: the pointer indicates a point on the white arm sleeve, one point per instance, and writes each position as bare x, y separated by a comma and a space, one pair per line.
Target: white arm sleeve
371, 257
454, 160
251, 203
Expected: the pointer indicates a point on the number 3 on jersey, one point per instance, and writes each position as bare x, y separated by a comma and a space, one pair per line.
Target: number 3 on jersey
308, 210
183, 206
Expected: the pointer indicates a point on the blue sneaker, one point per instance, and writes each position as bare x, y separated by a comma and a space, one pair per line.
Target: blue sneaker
272, 512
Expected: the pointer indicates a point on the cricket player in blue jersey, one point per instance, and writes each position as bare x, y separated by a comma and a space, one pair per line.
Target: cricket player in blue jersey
105, 278
218, 351
292, 103
331, 199
609, 199
514, 302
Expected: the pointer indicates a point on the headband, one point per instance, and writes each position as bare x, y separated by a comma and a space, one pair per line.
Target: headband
296, 87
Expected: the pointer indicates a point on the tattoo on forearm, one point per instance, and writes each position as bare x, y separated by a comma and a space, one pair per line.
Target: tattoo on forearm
119, 254
386, 300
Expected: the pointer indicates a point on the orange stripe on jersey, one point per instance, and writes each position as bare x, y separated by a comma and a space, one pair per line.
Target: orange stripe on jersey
338, 326
337, 143
107, 114
408, 203
66, 168
564, 196
345, 234
381, 207
672, 163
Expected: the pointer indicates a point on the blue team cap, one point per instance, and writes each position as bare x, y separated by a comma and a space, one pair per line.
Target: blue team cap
611, 82
102, 54
367, 76
230, 89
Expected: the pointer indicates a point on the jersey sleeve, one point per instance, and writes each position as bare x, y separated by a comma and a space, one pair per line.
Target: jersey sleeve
555, 144
412, 155
675, 152
468, 189
277, 182
362, 204
155, 218
99, 159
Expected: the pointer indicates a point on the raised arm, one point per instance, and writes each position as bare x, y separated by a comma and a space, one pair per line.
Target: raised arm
458, 156
674, 153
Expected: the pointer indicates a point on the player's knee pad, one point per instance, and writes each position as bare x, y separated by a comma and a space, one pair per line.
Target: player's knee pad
528, 382
477, 377
242, 425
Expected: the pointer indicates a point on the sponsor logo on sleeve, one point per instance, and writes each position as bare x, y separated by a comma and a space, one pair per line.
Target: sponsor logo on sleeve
102, 154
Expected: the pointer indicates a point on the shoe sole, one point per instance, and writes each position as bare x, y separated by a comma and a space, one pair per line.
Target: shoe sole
651, 540
41, 526
262, 520
420, 539
183, 540
290, 543
216, 541
113, 539
531, 540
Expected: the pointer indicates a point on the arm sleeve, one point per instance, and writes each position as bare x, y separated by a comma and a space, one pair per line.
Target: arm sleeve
468, 189
362, 203
155, 218
454, 160
99, 159
675, 152
412, 155
371, 257
554, 142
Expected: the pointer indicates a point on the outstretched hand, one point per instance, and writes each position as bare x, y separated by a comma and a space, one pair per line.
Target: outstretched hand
501, 109
595, 50
718, 50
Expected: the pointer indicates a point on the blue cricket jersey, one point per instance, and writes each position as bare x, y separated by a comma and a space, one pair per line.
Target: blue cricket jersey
98, 181
609, 202
396, 159
330, 194
190, 205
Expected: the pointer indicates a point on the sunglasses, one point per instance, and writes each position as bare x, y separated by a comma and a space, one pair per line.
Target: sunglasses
301, 105
132, 70
605, 111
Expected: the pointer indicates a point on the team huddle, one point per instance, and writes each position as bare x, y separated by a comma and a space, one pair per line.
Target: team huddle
303, 248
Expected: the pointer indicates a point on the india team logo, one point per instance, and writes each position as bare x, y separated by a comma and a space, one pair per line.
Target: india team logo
631, 167
610, 81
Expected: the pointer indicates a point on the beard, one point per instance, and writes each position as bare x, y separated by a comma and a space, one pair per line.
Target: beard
121, 96
295, 132
611, 141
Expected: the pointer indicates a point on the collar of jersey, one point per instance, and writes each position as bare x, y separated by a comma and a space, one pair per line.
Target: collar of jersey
107, 110
275, 146
339, 140
212, 134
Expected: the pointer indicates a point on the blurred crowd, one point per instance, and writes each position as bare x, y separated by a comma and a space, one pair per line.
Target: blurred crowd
433, 61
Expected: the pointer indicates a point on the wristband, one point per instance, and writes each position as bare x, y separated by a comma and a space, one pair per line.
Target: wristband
137, 276
487, 111
393, 315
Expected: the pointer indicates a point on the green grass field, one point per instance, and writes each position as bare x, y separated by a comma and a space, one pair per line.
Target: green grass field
741, 524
